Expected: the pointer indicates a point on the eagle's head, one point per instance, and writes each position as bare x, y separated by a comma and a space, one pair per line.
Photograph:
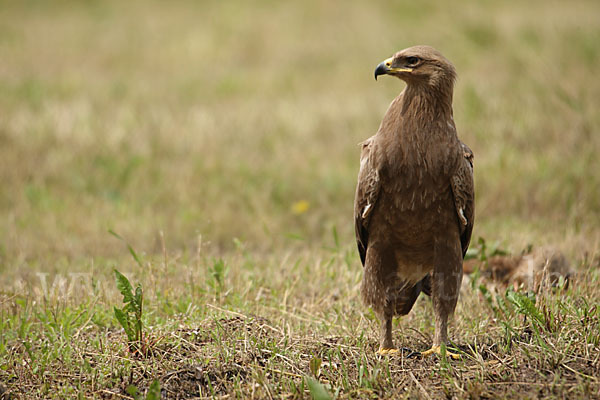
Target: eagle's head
418, 65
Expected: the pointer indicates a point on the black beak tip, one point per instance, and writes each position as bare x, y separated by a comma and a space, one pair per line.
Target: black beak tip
381, 69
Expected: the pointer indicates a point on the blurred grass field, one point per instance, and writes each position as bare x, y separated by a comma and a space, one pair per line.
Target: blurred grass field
214, 130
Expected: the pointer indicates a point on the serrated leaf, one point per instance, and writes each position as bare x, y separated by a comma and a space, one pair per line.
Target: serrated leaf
502, 305
130, 308
124, 287
317, 390
138, 296
526, 306
124, 321
122, 318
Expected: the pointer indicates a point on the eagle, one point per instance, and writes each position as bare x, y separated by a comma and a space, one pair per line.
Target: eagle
414, 203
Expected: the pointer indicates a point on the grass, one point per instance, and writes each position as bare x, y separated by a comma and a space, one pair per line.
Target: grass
219, 140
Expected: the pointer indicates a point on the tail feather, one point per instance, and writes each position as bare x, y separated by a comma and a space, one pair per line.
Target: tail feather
426, 285
405, 297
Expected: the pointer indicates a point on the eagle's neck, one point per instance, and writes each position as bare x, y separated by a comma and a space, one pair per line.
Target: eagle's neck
423, 104
420, 133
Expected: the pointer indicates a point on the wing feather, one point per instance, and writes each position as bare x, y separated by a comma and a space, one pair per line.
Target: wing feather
463, 189
367, 192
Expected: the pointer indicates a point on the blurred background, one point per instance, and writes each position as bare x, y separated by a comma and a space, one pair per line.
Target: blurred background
207, 121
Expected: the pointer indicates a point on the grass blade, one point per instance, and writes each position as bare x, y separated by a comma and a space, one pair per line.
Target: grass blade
131, 250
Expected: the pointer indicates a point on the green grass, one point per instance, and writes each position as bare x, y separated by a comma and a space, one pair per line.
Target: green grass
219, 140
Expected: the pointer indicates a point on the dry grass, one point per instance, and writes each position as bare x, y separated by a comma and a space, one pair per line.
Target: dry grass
227, 130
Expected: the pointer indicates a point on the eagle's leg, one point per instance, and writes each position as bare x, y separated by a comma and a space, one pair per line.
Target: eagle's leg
387, 345
446, 279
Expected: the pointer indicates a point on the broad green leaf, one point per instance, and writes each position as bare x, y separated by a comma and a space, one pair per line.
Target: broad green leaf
124, 321
315, 366
133, 392
130, 308
317, 390
153, 391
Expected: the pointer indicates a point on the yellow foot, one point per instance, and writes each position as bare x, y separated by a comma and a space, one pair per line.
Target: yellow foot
386, 352
438, 350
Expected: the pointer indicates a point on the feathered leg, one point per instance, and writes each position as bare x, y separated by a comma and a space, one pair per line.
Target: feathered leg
387, 344
374, 293
387, 294
446, 279
400, 299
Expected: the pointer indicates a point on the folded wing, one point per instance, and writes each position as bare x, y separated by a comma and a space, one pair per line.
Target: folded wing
463, 189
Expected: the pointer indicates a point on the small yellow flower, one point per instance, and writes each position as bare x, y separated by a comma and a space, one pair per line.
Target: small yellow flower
300, 207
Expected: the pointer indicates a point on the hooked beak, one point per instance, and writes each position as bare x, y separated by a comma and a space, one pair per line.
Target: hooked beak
385, 68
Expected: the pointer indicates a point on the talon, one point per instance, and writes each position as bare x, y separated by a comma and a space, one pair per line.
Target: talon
414, 354
438, 350
386, 352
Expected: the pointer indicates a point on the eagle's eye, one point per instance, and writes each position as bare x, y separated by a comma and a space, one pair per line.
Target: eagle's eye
412, 60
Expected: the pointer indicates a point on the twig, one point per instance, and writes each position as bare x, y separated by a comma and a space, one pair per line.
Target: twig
530, 383
237, 314
425, 338
579, 373
421, 388
117, 394
312, 321
279, 371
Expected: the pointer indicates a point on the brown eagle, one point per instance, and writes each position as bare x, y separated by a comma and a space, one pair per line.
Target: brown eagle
414, 205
